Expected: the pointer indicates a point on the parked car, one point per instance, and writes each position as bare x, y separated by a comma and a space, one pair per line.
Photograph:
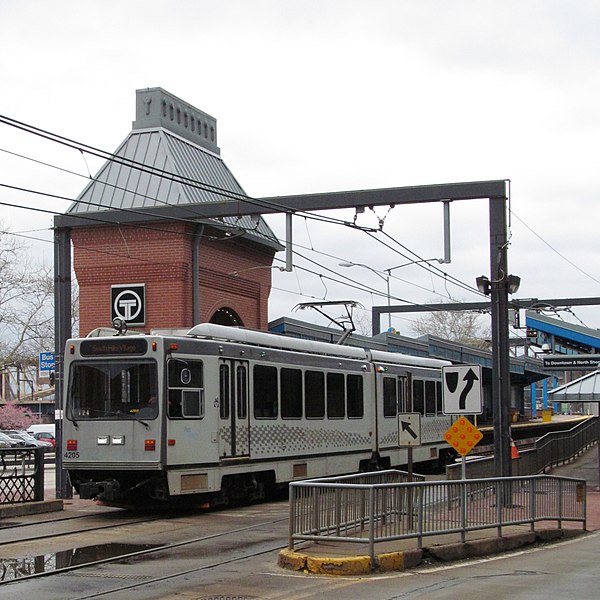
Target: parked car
42, 427
5, 441
45, 436
24, 440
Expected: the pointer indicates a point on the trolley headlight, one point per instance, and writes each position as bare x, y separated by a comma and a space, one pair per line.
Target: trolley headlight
118, 440
103, 440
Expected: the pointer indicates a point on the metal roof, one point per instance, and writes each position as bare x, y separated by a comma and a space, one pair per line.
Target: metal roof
572, 332
584, 389
523, 370
161, 163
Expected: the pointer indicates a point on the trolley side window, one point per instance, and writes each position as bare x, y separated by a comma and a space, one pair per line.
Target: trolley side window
430, 404
186, 389
224, 391
389, 397
354, 397
265, 392
314, 394
112, 390
242, 392
291, 393
335, 396
402, 400
418, 396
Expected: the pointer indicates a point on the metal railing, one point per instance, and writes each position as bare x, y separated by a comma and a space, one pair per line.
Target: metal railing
381, 506
551, 450
558, 447
21, 475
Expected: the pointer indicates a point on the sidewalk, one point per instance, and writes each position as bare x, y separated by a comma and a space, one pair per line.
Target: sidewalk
338, 558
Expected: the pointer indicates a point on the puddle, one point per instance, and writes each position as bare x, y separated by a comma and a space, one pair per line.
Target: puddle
15, 568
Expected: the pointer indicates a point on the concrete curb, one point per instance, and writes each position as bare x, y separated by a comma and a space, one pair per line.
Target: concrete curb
30, 508
400, 561
349, 565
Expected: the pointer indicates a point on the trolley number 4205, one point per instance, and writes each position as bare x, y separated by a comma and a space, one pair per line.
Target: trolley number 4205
71, 455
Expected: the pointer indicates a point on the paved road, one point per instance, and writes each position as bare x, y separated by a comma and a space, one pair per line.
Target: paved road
567, 570
563, 570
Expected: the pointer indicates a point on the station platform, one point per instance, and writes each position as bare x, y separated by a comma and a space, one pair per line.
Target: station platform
338, 558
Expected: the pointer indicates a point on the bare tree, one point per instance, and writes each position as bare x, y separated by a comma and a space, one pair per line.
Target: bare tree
26, 302
464, 327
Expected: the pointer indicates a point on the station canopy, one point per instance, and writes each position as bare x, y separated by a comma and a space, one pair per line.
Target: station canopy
584, 389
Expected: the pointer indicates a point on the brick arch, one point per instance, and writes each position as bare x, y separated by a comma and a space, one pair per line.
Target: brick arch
226, 316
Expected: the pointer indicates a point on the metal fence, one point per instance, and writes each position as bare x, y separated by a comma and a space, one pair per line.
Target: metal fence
559, 447
382, 506
551, 450
21, 475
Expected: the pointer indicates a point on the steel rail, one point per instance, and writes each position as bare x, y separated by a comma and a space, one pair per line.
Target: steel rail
149, 551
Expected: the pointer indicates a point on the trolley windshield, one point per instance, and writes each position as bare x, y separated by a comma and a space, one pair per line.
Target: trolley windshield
112, 390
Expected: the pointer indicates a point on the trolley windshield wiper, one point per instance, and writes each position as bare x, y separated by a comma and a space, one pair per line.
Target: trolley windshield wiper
141, 421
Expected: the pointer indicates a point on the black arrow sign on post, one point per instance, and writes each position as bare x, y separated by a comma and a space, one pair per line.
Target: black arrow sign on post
470, 377
406, 427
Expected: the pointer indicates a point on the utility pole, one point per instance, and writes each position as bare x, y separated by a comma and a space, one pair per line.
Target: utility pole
62, 331
500, 346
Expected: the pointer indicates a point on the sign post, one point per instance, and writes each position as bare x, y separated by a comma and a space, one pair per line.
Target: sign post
461, 395
463, 436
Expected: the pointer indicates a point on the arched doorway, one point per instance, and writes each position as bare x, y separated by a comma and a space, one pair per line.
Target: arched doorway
226, 316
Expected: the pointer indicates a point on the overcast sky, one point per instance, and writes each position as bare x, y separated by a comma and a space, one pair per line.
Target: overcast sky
316, 96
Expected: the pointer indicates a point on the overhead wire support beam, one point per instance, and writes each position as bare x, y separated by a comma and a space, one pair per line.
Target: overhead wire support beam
494, 190
518, 303
296, 203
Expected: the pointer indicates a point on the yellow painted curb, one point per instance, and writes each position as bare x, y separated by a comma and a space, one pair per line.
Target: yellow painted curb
349, 565
391, 561
288, 559
352, 565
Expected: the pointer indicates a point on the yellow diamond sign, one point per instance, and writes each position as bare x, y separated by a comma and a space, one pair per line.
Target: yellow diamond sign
463, 436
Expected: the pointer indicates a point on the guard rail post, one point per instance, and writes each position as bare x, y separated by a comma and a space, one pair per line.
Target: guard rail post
419, 517
292, 521
560, 502
532, 504
372, 526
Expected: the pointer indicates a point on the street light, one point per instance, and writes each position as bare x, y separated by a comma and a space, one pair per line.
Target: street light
389, 274
386, 279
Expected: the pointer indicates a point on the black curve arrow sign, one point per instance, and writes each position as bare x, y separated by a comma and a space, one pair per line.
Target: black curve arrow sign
470, 377
406, 427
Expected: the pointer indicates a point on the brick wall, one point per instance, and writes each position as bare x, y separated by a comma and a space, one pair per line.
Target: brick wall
160, 255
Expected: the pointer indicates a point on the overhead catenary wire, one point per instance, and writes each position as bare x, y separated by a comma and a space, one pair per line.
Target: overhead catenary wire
189, 181
162, 173
537, 235
219, 191
126, 210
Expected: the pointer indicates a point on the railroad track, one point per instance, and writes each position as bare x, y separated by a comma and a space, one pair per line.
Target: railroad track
65, 520
174, 560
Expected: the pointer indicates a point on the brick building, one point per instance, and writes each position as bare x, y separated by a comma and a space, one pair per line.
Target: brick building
142, 250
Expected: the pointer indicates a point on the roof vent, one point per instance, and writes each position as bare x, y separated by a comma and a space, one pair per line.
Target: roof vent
155, 107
